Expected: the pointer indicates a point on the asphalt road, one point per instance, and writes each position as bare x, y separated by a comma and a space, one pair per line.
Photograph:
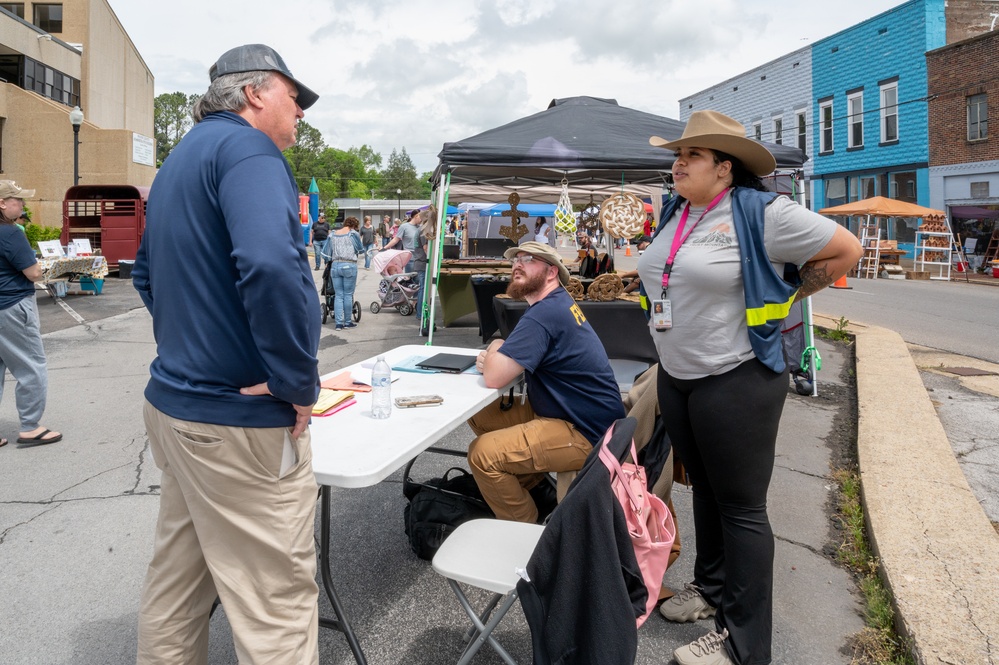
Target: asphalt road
953, 316
77, 518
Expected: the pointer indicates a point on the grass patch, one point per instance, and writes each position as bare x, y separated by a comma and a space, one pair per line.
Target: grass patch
878, 643
837, 334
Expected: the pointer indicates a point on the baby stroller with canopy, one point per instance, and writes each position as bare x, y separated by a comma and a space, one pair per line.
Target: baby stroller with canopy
397, 289
328, 293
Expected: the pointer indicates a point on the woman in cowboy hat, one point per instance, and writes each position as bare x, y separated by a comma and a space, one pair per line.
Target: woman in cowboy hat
725, 266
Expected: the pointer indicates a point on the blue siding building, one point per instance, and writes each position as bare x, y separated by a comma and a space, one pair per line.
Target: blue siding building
870, 111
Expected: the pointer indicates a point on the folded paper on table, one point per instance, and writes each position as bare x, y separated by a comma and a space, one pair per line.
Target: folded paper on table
409, 365
344, 381
336, 409
330, 398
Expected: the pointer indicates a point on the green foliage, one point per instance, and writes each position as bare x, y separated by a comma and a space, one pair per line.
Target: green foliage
837, 334
878, 643
172, 118
36, 232
400, 174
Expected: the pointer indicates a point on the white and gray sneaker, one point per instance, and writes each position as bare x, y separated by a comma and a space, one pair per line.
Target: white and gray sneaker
708, 650
688, 605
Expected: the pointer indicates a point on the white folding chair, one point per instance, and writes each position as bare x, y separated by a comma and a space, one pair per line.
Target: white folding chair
486, 554
626, 371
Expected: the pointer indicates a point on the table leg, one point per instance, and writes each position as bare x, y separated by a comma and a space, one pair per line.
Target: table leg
340, 622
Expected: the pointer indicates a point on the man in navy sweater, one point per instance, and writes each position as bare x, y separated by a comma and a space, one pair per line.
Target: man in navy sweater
224, 272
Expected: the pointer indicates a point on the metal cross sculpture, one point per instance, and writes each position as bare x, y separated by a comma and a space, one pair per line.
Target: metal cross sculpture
516, 230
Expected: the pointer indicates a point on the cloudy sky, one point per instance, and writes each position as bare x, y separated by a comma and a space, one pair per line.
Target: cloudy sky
418, 73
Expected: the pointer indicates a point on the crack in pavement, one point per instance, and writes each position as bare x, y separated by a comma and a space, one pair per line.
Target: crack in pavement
810, 548
5, 532
819, 476
138, 468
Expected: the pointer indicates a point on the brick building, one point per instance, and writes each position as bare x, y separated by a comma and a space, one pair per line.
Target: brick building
963, 86
57, 55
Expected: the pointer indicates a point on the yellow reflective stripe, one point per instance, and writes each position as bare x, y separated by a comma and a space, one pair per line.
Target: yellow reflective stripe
758, 316
644, 302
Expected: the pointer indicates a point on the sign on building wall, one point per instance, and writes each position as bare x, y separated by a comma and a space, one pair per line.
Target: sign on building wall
143, 150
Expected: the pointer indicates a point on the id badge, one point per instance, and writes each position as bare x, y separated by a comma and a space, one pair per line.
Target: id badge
662, 314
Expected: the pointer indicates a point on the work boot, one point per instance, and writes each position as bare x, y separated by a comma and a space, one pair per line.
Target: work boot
688, 605
708, 650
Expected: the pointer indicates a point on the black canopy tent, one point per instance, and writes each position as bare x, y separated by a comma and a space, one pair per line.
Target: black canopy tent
597, 147
595, 144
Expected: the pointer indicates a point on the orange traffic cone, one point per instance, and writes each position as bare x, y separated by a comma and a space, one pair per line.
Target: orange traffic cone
627, 249
841, 284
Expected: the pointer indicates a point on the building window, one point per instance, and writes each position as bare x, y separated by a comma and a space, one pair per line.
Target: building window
802, 133
15, 8
889, 112
978, 117
855, 108
39, 78
48, 17
778, 130
757, 131
826, 127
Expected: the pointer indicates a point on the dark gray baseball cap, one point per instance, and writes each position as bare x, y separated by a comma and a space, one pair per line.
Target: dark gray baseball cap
259, 58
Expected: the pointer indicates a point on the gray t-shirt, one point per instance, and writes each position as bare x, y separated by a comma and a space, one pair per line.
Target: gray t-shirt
412, 239
709, 334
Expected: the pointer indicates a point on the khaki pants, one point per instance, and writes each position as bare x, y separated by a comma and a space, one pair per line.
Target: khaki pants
231, 525
511, 452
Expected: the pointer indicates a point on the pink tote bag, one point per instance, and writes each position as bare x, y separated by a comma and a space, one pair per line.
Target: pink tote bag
650, 524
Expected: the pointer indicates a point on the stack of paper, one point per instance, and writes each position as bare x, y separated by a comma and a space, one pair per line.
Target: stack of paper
328, 399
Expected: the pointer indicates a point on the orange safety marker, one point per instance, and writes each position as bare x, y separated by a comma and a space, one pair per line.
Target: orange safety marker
627, 249
840, 284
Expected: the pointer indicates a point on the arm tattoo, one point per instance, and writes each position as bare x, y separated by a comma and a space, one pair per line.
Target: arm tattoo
814, 278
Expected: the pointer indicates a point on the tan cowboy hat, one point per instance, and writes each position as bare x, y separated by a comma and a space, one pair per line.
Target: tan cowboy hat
544, 252
716, 131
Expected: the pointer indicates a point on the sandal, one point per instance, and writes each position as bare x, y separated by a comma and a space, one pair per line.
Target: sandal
37, 440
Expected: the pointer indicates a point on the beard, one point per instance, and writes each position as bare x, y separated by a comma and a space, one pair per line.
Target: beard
525, 286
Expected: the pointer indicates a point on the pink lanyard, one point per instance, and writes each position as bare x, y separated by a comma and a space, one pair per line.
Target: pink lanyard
679, 237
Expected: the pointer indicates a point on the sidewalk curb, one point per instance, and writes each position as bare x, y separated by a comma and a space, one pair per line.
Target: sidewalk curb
938, 551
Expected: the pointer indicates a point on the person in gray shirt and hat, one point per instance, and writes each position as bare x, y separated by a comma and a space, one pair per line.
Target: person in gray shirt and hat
21, 350
223, 271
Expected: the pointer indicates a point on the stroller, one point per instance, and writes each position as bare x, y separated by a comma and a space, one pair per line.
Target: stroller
328, 292
397, 289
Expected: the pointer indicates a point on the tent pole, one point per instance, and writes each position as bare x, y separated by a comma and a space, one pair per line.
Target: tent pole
434, 264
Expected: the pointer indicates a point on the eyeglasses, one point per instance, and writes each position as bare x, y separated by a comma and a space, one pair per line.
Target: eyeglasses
527, 259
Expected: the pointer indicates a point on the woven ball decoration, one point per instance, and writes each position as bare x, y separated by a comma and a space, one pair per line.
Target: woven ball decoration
575, 288
605, 288
623, 215
565, 221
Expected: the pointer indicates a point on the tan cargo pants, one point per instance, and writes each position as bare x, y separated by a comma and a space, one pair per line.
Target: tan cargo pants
230, 524
512, 451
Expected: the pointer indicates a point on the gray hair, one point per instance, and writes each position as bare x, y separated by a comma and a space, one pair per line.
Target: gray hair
226, 92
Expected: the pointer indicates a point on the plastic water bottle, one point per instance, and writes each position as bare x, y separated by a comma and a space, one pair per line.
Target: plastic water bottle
381, 389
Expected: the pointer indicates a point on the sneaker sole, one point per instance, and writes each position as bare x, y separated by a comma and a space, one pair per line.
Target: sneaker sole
688, 618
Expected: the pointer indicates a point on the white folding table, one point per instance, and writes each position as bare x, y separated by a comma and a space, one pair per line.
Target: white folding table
352, 449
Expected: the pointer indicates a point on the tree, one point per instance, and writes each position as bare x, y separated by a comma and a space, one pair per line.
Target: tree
400, 173
172, 118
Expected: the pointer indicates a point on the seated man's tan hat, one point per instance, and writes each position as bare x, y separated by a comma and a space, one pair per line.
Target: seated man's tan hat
716, 131
544, 252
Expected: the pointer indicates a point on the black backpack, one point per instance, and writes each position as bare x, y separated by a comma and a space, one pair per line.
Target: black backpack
438, 506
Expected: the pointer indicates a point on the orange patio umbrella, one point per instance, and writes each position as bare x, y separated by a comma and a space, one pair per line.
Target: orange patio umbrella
879, 206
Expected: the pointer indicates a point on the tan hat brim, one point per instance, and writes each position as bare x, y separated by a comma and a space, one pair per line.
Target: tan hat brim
756, 158
545, 253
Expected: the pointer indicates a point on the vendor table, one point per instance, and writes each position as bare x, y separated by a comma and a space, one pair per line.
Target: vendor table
620, 325
95, 267
454, 286
352, 449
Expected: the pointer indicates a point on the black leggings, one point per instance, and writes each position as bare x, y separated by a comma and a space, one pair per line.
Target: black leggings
724, 430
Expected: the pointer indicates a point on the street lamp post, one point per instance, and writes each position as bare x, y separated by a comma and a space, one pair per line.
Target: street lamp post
76, 119
398, 200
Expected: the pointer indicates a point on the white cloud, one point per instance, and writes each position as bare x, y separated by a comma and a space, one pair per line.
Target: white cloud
419, 73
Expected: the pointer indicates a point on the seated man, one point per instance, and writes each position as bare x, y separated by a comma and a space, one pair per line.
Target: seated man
572, 397
643, 242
